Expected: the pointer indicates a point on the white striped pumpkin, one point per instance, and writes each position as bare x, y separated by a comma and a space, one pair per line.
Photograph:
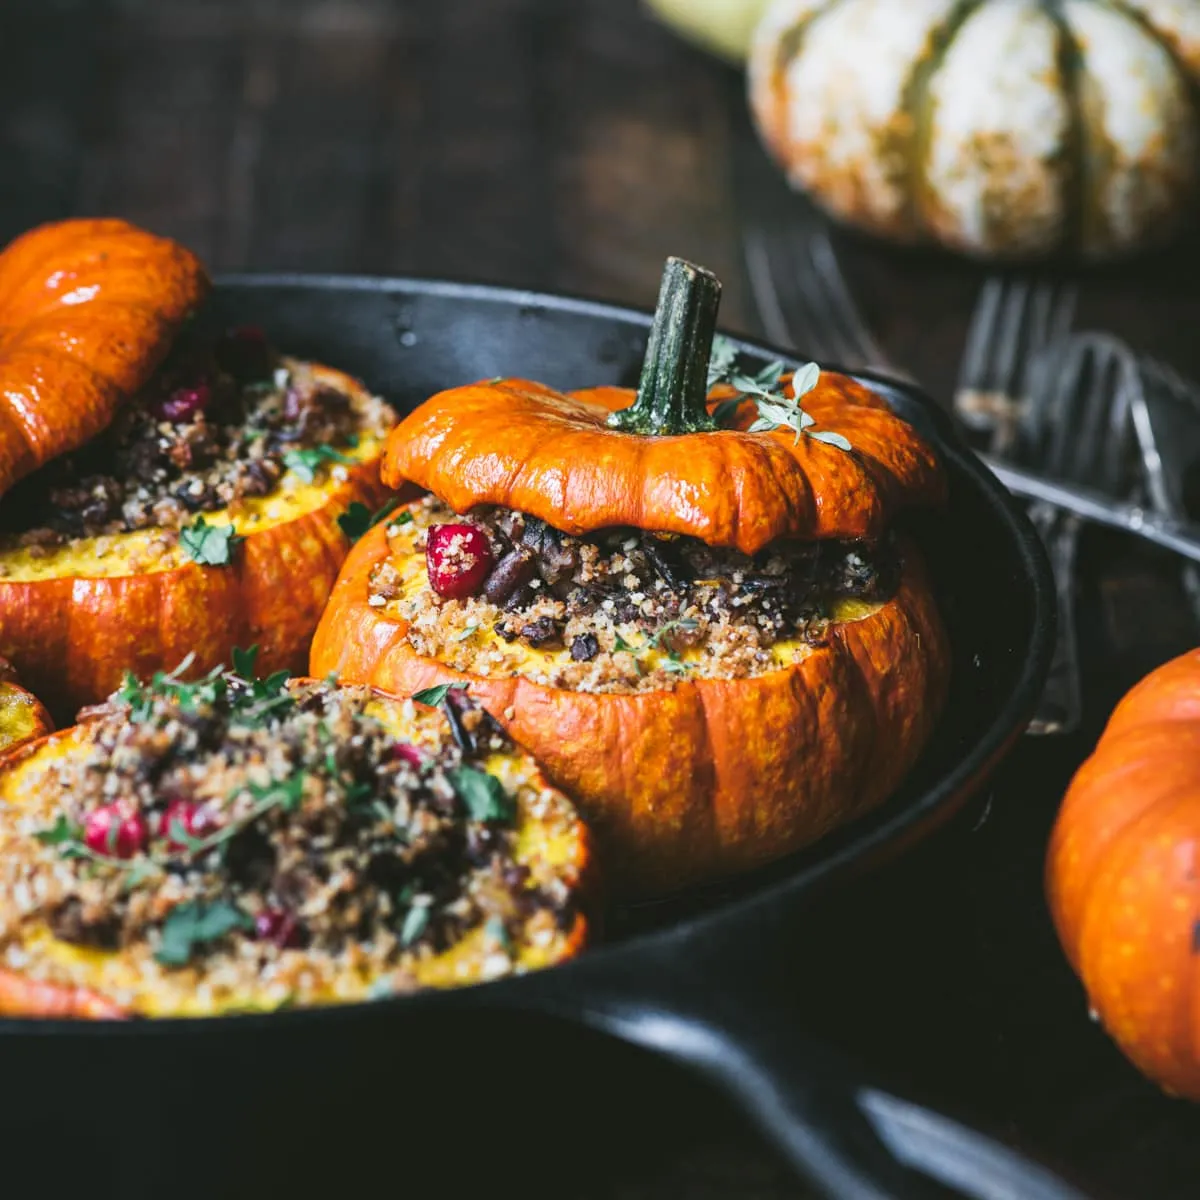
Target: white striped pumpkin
999, 128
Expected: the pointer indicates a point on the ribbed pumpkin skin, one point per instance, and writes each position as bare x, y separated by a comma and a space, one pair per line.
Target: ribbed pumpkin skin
72, 637
998, 129
715, 776
527, 447
22, 717
88, 309
1123, 876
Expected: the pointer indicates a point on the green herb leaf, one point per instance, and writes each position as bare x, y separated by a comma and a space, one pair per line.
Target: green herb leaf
434, 696
416, 921
63, 830
403, 518
466, 633
775, 410
358, 518
196, 924
494, 928
721, 359
209, 545
244, 660
621, 645
830, 439
305, 463
287, 793
483, 794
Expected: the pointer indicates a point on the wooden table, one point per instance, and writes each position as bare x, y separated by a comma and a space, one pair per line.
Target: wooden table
572, 146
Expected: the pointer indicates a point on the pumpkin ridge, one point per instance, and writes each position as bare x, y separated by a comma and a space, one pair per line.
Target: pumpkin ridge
790, 44
915, 100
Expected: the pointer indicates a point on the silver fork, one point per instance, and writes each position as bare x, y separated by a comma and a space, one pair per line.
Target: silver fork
1074, 427
802, 297
1014, 321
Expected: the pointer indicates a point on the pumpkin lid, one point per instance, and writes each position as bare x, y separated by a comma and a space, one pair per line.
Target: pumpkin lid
88, 309
738, 466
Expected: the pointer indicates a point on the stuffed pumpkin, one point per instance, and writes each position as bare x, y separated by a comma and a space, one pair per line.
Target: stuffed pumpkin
22, 717
238, 843
695, 612
160, 494
1122, 870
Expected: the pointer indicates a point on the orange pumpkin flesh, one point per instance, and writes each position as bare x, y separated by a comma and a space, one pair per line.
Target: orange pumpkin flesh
22, 717
1123, 875
88, 309
712, 776
57, 978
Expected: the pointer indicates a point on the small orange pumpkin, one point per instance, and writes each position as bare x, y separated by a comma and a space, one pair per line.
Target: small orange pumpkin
88, 309
1123, 875
22, 717
707, 775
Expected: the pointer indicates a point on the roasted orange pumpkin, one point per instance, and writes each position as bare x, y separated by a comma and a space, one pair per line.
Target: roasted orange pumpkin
22, 717
709, 746
279, 842
247, 564
88, 309
1122, 871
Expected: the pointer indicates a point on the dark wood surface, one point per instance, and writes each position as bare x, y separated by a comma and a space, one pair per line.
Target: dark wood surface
572, 146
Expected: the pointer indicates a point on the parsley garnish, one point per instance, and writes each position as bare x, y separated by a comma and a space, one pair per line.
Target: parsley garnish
61, 832
416, 921
244, 660
305, 463
483, 794
434, 696
358, 518
775, 410
196, 924
209, 545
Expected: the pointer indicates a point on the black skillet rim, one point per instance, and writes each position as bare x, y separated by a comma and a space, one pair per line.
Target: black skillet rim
876, 832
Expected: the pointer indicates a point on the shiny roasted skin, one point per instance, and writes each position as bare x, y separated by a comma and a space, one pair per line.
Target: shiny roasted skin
1122, 870
714, 776
527, 447
88, 309
550, 838
75, 626
22, 716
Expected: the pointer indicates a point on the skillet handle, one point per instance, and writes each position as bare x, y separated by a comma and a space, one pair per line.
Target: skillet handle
847, 1139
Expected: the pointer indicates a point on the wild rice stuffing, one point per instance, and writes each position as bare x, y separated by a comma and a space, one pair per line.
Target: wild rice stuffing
218, 423
622, 610
276, 837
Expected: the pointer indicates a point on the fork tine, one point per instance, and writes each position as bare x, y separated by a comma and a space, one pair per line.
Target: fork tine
826, 269
766, 298
1007, 362
972, 372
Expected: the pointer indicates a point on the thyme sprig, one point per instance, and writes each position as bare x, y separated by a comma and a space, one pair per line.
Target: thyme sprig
775, 410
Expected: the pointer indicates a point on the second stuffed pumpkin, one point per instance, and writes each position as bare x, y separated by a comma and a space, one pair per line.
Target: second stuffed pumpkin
697, 616
160, 496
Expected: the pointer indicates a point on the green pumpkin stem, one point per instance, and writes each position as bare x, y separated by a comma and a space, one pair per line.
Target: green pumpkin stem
674, 385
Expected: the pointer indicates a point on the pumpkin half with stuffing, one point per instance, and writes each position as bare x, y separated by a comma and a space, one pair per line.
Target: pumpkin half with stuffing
239, 843
177, 495
22, 716
1123, 875
1003, 129
705, 627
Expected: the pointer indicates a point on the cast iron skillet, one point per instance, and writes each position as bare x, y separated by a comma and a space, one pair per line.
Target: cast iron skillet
298, 1101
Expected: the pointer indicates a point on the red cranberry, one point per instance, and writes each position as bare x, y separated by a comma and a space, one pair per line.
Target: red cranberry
184, 403
279, 926
406, 753
459, 559
196, 820
115, 830
245, 353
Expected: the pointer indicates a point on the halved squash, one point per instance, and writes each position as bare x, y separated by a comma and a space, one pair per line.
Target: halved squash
22, 716
301, 844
